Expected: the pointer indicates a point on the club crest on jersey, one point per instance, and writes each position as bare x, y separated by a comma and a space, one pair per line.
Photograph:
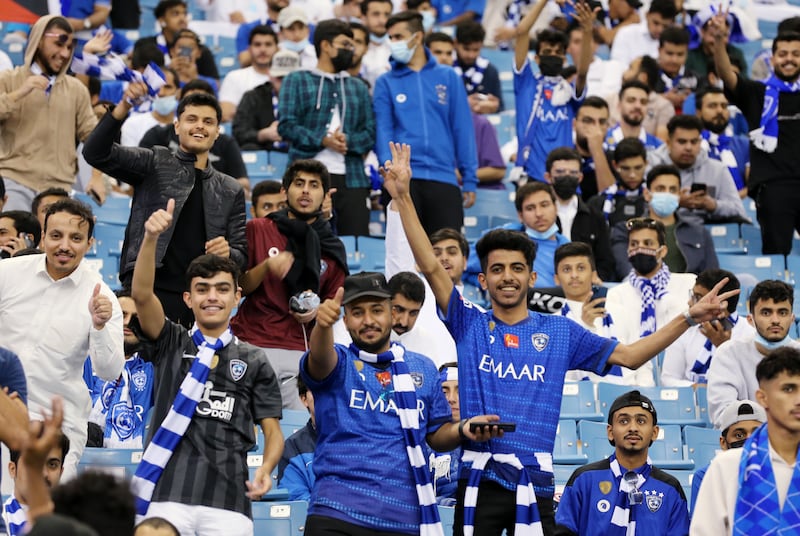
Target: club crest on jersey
653, 499
605, 487
123, 420
417, 378
540, 341
441, 93
238, 368
139, 379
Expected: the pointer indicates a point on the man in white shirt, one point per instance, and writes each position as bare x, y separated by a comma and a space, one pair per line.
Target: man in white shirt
48, 324
642, 39
731, 376
262, 46
686, 361
726, 502
294, 34
376, 60
604, 76
162, 113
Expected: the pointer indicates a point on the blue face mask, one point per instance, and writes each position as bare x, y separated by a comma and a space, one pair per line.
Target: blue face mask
428, 20
542, 235
294, 46
772, 345
400, 51
378, 40
664, 203
165, 105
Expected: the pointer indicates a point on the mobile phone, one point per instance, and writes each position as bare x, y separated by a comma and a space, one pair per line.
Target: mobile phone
598, 291
27, 241
726, 323
477, 426
482, 96
94, 196
698, 187
185, 52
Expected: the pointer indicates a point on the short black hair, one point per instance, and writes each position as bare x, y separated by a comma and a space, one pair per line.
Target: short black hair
553, 37
665, 8
408, 285
165, 5
573, 249
784, 359
102, 501
629, 148
770, 289
530, 188
635, 83
701, 93
505, 239
57, 192
412, 19
675, 35
186, 33
63, 445
736, 61
265, 188
207, 266
593, 101
198, 84
708, 278
437, 37
261, 29
660, 170
784, 37
365, 5
358, 27
561, 153
302, 388
59, 22
447, 233
145, 51
199, 99
328, 30
158, 523
315, 167
124, 292
25, 222
684, 121
649, 66
637, 224
469, 32
792, 24
2, 187
74, 207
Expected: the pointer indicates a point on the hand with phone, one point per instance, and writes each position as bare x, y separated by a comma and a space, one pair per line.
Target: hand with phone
594, 307
717, 331
697, 198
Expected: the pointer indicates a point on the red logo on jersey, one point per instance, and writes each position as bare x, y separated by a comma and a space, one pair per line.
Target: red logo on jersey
511, 341
548, 94
385, 378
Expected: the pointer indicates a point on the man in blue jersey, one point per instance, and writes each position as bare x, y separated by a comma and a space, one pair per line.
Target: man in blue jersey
546, 102
510, 355
374, 397
624, 492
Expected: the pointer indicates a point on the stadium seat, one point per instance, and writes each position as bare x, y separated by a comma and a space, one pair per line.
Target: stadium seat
702, 404
115, 210
371, 253
257, 164
353, 261
578, 402
674, 405
702, 444
751, 238
727, 238
254, 461
293, 420
667, 450
475, 295
566, 446
121, 463
279, 519
684, 476
475, 226
594, 440
493, 203
277, 163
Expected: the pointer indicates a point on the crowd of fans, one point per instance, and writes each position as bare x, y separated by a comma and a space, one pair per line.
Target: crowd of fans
234, 298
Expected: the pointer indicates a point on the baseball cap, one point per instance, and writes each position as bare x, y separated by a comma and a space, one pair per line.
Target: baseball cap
632, 399
291, 14
284, 62
742, 410
365, 284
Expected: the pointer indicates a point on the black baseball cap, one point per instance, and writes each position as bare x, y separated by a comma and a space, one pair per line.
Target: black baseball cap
632, 399
365, 284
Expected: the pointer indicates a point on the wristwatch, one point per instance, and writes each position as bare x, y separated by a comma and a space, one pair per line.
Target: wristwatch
87, 24
689, 320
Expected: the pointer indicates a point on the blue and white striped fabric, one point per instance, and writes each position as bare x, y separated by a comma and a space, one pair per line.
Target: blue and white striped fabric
651, 290
621, 520
15, 517
608, 322
528, 522
406, 399
166, 439
112, 67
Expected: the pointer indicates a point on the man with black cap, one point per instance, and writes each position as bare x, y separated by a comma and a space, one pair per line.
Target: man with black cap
624, 494
375, 397
738, 422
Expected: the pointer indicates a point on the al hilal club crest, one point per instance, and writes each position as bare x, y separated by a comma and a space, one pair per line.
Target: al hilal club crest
540, 341
238, 368
653, 500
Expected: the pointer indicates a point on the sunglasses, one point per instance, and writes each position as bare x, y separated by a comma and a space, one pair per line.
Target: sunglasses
61, 38
635, 224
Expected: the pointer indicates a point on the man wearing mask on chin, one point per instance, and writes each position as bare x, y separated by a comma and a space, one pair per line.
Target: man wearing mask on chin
326, 115
688, 244
651, 295
732, 375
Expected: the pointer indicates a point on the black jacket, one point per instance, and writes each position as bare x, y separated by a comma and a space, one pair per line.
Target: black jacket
157, 176
589, 226
254, 112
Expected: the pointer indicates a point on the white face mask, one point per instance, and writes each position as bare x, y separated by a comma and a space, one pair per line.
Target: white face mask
401, 52
165, 105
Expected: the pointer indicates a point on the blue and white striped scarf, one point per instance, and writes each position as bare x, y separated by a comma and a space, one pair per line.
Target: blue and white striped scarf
702, 363
166, 439
406, 399
473, 76
112, 67
766, 136
528, 522
15, 516
623, 520
651, 290
719, 148
608, 322
614, 191
757, 506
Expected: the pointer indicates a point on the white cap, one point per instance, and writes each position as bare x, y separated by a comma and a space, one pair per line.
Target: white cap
741, 410
290, 15
284, 62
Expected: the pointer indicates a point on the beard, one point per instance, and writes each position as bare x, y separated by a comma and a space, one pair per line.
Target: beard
582, 142
634, 122
374, 347
716, 125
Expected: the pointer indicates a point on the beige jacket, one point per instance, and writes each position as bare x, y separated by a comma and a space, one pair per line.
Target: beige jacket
39, 133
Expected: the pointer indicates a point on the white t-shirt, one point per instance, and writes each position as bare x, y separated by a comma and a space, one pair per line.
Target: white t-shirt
237, 82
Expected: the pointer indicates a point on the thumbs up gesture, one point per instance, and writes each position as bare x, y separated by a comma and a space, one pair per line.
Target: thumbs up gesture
160, 220
329, 311
99, 308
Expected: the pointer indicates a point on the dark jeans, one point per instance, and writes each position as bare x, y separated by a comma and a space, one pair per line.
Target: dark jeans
439, 205
778, 211
328, 526
350, 208
497, 510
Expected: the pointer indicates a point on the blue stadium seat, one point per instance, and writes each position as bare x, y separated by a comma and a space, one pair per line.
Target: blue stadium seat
371, 253
257, 165
475, 295
115, 210
254, 461
751, 237
15, 51
566, 446
702, 444
578, 402
561, 473
684, 476
751, 269
727, 238
353, 261
667, 450
121, 463
286, 518
277, 163
293, 420
594, 440
493, 203
475, 226
504, 124
674, 405
503, 60
702, 404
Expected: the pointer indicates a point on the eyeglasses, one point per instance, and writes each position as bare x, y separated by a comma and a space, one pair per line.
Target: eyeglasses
61, 38
635, 496
634, 224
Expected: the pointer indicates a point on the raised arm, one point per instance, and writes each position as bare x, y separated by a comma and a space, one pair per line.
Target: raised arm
522, 41
397, 180
586, 16
717, 25
322, 356
151, 313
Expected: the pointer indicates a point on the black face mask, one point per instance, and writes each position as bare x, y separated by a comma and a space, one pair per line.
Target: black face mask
643, 263
736, 444
566, 186
343, 60
551, 65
